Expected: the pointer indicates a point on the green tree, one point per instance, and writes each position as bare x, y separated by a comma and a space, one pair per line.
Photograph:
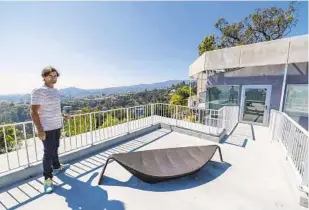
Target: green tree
185, 91
177, 99
180, 97
262, 25
208, 44
110, 120
8, 139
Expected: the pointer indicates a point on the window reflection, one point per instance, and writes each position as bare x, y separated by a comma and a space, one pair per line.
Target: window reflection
296, 102
222, 95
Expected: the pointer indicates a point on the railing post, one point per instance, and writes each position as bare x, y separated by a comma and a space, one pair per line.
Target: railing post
199, 116
6, 148
152, 112
63, 133
210, 123
128, 120
273, 125
305, 178
91, 134
290, 141
25, 136
223, 117
176, 114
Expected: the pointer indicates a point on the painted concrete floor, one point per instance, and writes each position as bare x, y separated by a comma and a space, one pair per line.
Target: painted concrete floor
254, 176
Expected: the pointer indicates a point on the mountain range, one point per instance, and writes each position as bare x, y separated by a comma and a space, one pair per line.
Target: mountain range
74, 92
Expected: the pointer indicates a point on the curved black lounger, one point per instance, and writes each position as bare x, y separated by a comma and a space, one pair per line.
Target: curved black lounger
152, 166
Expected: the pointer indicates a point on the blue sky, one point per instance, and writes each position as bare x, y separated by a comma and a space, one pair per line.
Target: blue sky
104, 44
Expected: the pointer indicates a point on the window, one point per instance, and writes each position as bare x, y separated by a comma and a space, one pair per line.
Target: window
221, 95
296, 101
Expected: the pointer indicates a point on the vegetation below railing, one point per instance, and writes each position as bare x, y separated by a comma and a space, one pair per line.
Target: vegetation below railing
10, 143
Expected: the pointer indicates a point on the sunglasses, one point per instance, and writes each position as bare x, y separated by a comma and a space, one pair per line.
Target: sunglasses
51, 76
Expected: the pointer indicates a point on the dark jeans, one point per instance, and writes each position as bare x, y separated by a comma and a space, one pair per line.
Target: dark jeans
50, 158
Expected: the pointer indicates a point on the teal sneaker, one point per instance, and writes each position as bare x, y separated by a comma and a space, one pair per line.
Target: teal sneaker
60, 169
48, 185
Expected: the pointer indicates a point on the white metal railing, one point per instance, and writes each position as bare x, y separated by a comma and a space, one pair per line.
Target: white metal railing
294, 139
230, 116
20, 146
199, 119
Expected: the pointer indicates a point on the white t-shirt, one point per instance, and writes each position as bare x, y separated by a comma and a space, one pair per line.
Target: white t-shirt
50, 108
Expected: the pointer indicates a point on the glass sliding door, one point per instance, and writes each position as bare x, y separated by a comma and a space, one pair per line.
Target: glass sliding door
255, 100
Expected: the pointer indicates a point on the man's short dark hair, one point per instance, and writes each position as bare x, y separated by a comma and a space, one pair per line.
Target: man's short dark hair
46, 71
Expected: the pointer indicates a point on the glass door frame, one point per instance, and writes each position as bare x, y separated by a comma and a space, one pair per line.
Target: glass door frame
267, 102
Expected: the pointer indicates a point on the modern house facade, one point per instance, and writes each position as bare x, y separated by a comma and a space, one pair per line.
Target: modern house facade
256, 77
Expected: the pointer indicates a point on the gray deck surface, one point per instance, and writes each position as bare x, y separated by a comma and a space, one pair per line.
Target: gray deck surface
256, 176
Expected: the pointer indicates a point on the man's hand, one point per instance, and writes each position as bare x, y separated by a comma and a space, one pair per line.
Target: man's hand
67, 116
42, 135
36, 120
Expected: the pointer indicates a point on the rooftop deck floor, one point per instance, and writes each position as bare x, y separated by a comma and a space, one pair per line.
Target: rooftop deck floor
254, 176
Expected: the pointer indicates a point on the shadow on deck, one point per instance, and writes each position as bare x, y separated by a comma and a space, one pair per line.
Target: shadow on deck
209, 172
71, 185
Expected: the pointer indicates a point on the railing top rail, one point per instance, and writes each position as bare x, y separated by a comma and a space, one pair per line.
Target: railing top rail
15, 124
202, 108
221, 109
96, 112
118, 109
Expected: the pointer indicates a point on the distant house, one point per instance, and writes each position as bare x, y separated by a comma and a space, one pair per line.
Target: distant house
257, 78
172, 92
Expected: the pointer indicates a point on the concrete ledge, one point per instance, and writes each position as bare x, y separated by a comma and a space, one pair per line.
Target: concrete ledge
210, 137
35, 169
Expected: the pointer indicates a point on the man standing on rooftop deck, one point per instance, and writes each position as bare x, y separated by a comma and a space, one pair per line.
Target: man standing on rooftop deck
47, 117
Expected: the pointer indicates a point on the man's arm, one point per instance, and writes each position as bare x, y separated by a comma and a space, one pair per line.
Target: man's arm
66, 116
36, 120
